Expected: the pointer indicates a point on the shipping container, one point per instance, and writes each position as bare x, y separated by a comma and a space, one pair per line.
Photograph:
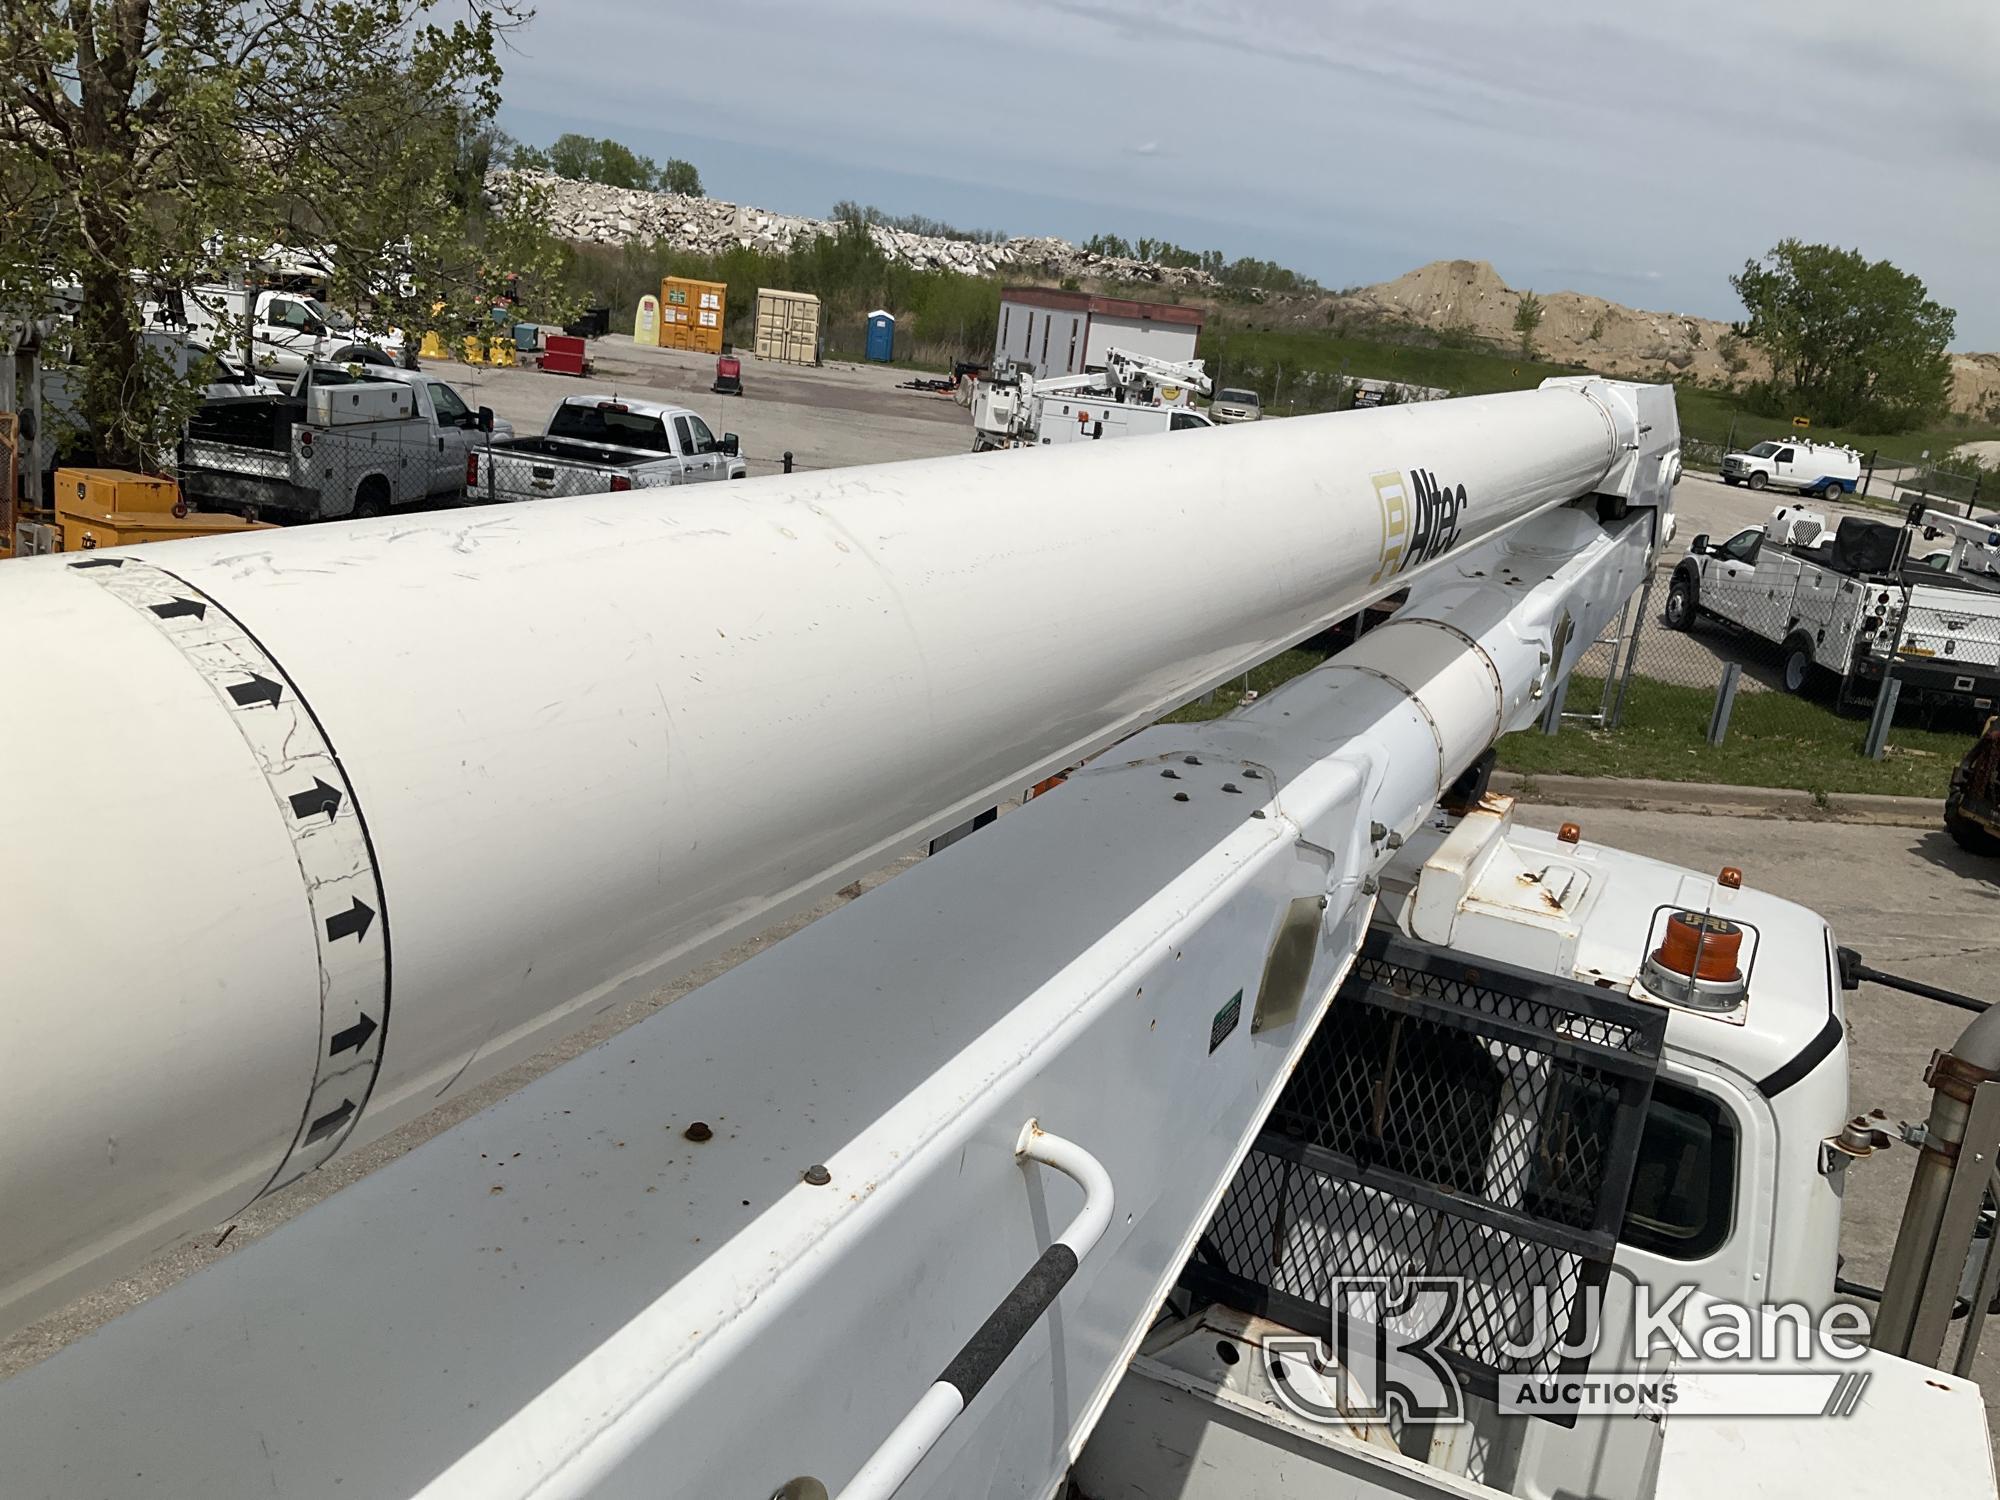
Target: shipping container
691, 314
787, 326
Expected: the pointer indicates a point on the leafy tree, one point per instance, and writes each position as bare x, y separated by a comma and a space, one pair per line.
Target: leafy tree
679, 176
1851, 342
147, 146
573, 156
621, 167
1527, 318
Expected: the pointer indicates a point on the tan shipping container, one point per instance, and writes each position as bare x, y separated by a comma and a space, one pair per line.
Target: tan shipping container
787, 326
691, 314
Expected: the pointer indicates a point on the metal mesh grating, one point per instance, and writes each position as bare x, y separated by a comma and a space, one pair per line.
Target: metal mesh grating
1453, 1120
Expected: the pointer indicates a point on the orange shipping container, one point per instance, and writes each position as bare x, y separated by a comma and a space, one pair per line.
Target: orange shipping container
691, 314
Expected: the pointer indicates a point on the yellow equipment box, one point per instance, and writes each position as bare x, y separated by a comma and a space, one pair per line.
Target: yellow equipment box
115, 508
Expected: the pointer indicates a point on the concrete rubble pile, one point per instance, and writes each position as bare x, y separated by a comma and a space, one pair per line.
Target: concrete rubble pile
600, 215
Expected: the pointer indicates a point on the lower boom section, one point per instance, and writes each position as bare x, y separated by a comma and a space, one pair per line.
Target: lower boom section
732, 1249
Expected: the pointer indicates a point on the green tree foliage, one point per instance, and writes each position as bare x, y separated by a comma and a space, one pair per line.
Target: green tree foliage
1527, 318
586, 158
1246, 274
679, 176
147, 146
848, 212
1852, 343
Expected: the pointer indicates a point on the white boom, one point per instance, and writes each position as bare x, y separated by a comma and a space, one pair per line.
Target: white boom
1074, 1019
425, 792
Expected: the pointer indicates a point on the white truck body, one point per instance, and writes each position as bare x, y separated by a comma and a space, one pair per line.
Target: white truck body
338, 445
288, 331
1134, 395
1824, 469
599, 444
1830, 605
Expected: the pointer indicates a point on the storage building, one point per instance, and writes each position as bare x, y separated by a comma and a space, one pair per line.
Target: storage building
1066, 333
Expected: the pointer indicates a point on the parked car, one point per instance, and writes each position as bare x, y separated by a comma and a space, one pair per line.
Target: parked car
1821, 469
596, 444
1236, 405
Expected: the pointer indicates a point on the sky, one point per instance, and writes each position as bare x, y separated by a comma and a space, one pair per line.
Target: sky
1639, 152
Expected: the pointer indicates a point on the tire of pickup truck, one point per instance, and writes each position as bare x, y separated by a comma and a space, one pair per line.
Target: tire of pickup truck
372, 498
1758, 479
1797, 669
1683, 599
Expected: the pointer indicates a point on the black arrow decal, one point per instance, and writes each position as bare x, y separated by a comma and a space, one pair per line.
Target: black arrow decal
256, 690
101, 562
350, 923
175, 608
329, 1122
355, 1037
321, 799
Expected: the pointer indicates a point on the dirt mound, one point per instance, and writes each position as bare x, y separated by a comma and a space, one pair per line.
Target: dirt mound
1467, 297
1975, 385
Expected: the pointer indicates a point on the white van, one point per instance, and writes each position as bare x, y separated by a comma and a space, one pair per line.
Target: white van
1822, 469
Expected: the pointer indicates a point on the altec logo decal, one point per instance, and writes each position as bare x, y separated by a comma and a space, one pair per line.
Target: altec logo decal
1419, 519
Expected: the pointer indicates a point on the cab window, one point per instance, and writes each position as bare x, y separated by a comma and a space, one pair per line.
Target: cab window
451, 411
1683, 1195
704, 440
1785, 455
1743, 546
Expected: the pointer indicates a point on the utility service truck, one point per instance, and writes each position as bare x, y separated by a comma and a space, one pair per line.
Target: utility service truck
1239, 1016
1847, 602
1824, 469
335, 445
286, 330
1133, 395
597, 444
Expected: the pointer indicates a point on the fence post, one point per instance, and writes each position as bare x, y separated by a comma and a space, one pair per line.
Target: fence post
1868, 483
1877, 743
1638, 607
1552, 714
1725, 703
788, 460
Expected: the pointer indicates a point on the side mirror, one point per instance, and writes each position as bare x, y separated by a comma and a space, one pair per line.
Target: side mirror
484, 420
1699, 546
729, 445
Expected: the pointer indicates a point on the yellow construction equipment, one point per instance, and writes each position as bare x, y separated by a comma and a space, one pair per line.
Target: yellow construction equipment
115, 508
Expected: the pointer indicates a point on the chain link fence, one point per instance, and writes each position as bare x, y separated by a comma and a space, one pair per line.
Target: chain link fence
1791, 666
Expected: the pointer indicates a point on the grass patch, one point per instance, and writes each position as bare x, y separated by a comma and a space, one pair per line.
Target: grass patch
1774, 740
1279, 669
1234, 352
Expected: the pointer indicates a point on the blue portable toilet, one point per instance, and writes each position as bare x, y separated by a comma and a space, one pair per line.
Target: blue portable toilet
881, 335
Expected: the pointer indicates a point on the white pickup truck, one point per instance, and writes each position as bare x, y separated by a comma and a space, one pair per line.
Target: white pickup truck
596, 444
1841, 600
338, 444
